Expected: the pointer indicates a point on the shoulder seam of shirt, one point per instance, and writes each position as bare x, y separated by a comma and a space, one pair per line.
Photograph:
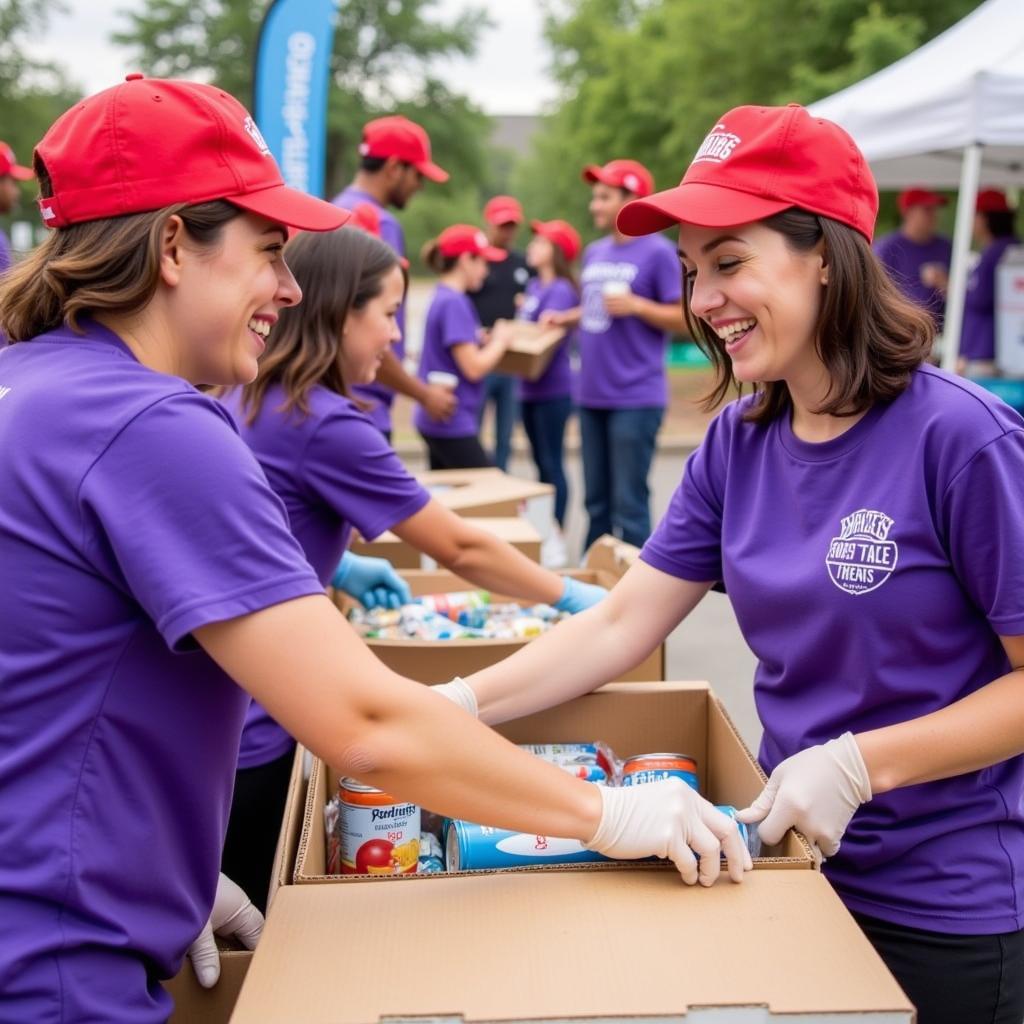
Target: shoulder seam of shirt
988, 444
929, 371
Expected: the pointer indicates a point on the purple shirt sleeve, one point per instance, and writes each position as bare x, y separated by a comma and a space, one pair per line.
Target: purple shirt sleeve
352, 468
179, 511
5, 252
459, 323
981, 515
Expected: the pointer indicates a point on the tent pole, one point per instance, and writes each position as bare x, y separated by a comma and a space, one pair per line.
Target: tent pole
970, 172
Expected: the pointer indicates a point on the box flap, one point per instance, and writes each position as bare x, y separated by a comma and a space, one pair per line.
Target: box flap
291, 827
557, 946
609, 554
482, 492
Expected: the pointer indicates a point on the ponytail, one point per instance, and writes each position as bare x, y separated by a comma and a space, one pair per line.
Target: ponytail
430, 254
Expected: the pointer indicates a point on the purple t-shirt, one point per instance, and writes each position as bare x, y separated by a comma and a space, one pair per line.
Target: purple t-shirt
5, 251
556, 381
903, 258
622, 360
131, 515
391, 232
978, 338
871, 575
451, 320
333, 470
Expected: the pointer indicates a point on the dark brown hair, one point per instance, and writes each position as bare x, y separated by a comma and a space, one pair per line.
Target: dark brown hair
562, 267
102, 266
868, 335
431, 256
338, 271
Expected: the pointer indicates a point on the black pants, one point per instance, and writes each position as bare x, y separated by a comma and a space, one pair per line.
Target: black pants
255, 823
953, 979
456, 453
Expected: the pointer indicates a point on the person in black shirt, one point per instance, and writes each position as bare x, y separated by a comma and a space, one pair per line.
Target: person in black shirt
497, 300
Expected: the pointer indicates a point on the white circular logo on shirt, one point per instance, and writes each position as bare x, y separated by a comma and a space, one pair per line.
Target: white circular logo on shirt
862, 557
522, 275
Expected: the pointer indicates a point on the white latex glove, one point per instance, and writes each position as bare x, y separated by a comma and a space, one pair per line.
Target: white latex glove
233, 914
816, 791
669, 819
458, 691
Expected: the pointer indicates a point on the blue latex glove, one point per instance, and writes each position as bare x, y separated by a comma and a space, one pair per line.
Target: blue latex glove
578, 596
371, 581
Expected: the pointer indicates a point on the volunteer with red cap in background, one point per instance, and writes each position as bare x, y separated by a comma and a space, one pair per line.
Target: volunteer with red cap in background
394, 158
497, 299
863, 510
917, 256
333, 471
547, 401
11, 172
629, 309
148, 568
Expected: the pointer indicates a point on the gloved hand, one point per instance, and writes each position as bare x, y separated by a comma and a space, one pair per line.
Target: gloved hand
233, 914
458, 691
816, 791
578, 596
669, 819
371, 581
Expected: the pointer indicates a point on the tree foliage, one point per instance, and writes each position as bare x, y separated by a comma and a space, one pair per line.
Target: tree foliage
647, 78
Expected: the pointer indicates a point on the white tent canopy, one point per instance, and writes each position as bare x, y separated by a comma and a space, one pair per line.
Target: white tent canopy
949, 115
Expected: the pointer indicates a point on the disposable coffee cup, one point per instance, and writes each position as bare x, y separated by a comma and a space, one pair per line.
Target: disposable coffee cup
443, 379
615, 288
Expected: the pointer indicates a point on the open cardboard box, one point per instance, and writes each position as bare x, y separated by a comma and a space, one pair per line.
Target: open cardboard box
483, 492
438, 661
531, 347
520, 533
194, 1004
633, 718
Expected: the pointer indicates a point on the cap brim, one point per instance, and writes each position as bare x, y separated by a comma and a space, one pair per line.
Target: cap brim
593, 174
20, 173
493, 254
505, 218
430, 170
293, 208
698, 203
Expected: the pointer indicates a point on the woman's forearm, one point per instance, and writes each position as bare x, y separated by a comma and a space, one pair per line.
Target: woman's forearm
979, 730
491, 563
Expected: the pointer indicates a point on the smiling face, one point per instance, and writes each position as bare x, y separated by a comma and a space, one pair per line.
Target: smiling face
371, 330
759, 296
223, 301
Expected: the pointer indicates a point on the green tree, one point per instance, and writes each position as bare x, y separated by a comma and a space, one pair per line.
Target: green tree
646, 78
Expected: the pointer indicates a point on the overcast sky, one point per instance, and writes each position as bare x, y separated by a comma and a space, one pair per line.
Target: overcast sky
507, 76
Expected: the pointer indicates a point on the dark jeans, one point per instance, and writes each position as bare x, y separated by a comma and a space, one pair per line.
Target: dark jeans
618, 445
503, 390
545, 427
456, 453
953, 979
257, 810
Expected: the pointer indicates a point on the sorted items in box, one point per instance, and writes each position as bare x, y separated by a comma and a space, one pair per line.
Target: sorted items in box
486, 621
431, 854
473, 847
379, 835
651, 767
592, 762
454, 604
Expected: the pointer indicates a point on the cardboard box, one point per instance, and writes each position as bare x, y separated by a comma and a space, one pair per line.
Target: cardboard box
483, 492
520, 533
291, 825
634, 947
439, 661
632, 718
531, 348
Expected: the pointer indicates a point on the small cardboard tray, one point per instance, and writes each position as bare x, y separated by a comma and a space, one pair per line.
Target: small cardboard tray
531, 348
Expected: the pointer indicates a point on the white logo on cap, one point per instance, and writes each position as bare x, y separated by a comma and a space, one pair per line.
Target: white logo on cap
481, 240
46, 211
632, 182
254, 133
718, 145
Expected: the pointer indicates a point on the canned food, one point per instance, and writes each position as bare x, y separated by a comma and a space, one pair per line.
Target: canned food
379, 834
431, 854
453, 604
587, 772
478, 847
748, 833
572, 753
644, 768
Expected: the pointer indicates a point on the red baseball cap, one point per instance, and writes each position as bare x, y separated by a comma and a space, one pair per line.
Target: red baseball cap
366, 217
992, 200
503, 210
627, 174
759, 161
399, 137
919, 197
9, 166
460, 238
561, 233
149, 143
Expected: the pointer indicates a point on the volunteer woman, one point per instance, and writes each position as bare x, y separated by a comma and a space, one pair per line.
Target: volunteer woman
333, 470
454, 345
136, 524
547, 402
863, 510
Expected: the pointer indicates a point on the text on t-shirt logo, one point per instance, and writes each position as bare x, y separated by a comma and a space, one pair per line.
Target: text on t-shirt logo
254, 133
717, 146
862, 557
4, 391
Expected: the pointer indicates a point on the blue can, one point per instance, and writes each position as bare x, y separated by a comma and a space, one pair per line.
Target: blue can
748, 833
478, 847
644, 768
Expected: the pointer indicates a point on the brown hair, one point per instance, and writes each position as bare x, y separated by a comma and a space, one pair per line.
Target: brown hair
562, 267
338, 271
101, 266
431, 256
868, 335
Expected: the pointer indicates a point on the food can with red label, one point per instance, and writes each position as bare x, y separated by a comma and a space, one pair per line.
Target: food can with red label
379, 834
644, 768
